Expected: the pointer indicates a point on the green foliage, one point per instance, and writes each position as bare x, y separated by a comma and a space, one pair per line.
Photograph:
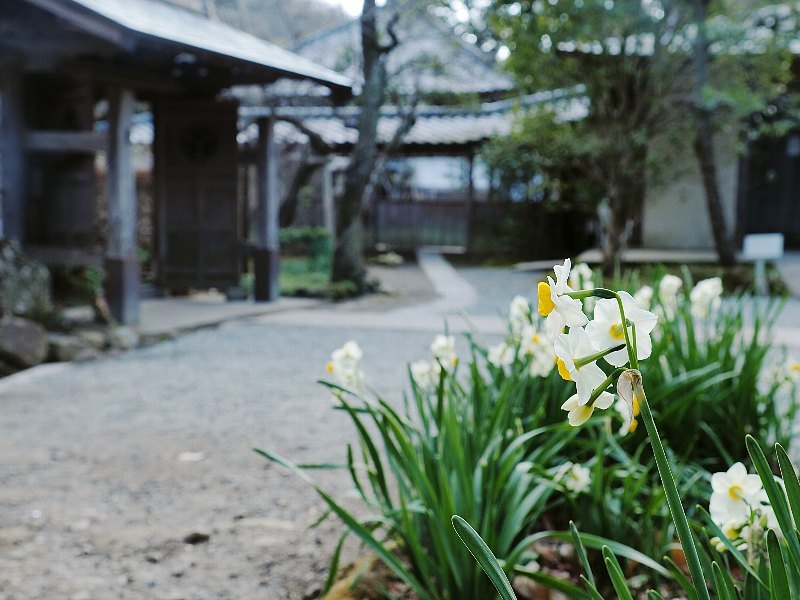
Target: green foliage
711, 385
342, 290
311, 242
636, 62
484, 438
77, 285
454, 448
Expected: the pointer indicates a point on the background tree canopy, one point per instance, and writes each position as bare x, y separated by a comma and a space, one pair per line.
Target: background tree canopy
675, 70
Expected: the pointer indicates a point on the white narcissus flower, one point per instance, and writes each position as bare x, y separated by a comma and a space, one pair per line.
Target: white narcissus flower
705, 297
570, 348
792, 370
735, 491
644, 296
444, 350
348, 355
344, 365
519, 314
668, 289
578, 415
425, 373
606, 330
538, 348
732, 529
580, 278
559, 309
576, 478
501, 355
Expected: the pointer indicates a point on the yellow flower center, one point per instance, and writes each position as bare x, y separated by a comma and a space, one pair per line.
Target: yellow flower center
546, 305
617, 332
535, 338
562, 369
633, 426
329, 367
795, 366
735, 492
636, 409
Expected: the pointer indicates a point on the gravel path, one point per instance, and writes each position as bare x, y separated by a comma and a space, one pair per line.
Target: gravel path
106, 467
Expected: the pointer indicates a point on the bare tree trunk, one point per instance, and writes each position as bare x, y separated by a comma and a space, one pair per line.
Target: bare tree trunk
704, 144
348, 257
626, 192
305, 171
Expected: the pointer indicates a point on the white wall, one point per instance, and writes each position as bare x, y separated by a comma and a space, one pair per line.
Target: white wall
675, 214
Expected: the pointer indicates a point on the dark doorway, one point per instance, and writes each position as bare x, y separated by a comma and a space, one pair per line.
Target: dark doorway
196, 194
772, 193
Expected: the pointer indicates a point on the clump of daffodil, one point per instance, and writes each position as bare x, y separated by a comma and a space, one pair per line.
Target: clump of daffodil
574, 477
619, 334
706, 297
740, 507
343, 365
555, 303
536, 347
577, 361
501, 355
444, 351
606, 330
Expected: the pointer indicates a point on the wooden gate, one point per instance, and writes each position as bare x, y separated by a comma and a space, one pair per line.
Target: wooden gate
196, 192
409, 225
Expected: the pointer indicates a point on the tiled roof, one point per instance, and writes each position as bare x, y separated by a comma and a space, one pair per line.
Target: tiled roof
149, 19
435, 126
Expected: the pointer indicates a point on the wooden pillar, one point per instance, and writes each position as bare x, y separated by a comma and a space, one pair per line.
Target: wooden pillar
471, 202
121, 263
12, 154
266, 256
328, 201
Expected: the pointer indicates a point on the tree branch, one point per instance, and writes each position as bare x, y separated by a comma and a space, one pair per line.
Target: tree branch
318, 144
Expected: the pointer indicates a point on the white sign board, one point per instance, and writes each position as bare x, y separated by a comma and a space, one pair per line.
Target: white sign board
762, 246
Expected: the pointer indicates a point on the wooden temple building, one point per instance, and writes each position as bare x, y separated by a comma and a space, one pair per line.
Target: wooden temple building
72, 75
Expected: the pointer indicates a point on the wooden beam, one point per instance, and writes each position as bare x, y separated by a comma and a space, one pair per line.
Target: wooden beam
65, 141
12, 159
267, 253
122, 265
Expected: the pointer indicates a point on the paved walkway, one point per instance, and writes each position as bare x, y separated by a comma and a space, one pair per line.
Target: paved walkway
168, 316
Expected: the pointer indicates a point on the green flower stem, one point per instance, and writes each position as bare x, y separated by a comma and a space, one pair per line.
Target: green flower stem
585, 360
673, 498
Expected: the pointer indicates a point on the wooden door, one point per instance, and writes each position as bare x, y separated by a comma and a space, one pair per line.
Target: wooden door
196, 183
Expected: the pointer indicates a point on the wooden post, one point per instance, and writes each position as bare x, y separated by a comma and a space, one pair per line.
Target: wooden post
266, 257
471, 202
122, 263
328, 201
12, 154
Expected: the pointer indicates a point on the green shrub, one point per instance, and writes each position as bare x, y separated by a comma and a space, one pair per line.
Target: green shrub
313, 243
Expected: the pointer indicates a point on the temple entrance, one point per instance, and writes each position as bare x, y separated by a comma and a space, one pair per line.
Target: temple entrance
196, 194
